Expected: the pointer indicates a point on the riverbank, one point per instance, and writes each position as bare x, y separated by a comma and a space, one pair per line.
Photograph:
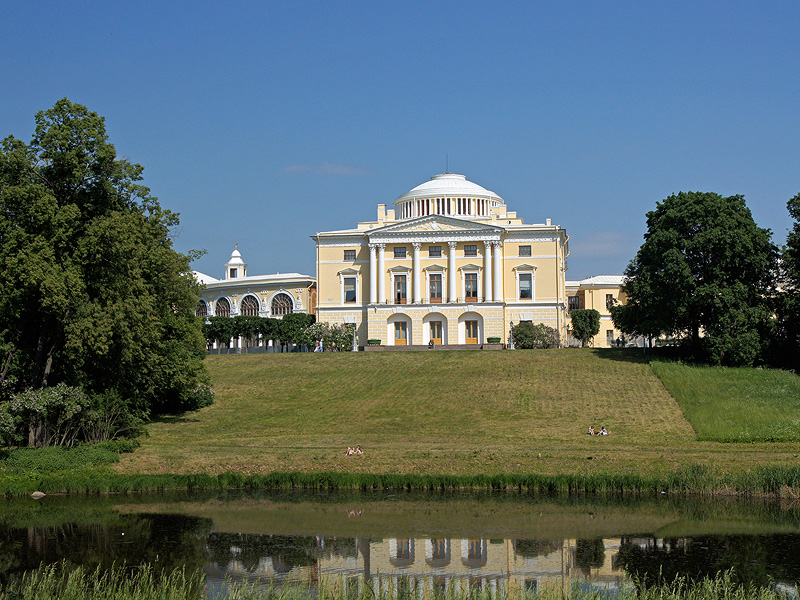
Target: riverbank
520, 414
457, 420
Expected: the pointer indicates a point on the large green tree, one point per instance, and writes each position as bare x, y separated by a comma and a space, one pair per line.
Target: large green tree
705, 272
788, 300
92, 292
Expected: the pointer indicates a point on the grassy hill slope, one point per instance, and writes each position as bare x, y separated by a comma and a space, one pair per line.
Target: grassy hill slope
439, 412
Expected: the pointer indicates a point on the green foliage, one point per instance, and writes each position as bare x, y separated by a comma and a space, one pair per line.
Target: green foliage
705, 272
585, 324
787, 302
335, 338
92, 293
49, 416
526, 335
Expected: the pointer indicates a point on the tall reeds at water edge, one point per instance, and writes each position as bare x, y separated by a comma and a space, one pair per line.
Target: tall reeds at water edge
122, 583
777, 481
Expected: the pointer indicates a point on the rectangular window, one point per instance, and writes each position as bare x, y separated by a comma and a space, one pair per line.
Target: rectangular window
439, 549
470, 250
609, 300
403, 549
434, 251
400, 252
471, 287
525, 286
574, 302
399, 289
349, 289
524, 250
233, 274
349, 255
610, 337
436, 287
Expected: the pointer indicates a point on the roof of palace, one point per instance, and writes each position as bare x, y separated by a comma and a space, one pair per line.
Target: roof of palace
598, 280
250, 279
448, 184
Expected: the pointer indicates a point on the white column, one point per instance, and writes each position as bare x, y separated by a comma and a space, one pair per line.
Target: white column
498, 273
381, 273
417, 287
487, 266
452, 294
373, 274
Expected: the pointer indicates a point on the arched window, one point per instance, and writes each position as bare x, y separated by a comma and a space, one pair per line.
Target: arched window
250, 306
223, 308
201, 310
281, 305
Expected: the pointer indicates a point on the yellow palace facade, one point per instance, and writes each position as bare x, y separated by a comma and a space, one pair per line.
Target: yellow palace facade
449, 264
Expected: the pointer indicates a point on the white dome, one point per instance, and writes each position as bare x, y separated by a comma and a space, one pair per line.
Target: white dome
448, 184
236, 257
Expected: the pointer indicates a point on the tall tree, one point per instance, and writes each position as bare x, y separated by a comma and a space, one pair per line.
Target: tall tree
91, 291
705, 272
788, 300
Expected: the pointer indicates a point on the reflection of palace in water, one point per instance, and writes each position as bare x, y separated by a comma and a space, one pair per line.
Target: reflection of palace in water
409, 567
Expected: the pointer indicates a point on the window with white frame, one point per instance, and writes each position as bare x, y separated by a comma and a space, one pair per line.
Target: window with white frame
471, 286
525, 283
399, 251
470, 250
434, 251
526, 286
349, 284
349, 255
524, 250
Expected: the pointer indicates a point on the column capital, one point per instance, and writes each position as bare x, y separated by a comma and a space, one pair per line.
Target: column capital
497, 244
381, 246
452, 245
416, 245
488, 243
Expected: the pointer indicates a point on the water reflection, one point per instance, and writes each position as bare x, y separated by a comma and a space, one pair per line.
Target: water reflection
407, 546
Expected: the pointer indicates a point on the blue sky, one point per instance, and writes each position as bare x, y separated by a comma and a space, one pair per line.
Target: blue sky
262, 123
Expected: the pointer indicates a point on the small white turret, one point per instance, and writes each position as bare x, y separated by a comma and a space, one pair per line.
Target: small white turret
235, 268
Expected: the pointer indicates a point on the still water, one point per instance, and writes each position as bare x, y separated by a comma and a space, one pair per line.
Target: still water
411, 543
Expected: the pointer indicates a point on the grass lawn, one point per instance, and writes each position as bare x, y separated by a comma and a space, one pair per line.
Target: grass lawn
440, 412
736, 405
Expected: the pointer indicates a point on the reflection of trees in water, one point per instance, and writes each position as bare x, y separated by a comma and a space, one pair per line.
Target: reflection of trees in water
755, 560
286, 552
590, 554
166, 541
532, 548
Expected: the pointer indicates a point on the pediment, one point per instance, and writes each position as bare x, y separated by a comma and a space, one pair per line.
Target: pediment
433, 224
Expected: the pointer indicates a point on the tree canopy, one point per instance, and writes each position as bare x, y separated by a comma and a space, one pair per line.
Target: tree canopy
705, 272
92, 292
585, 324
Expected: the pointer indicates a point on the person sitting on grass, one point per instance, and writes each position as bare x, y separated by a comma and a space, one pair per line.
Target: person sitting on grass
603, 431
591, 430
350, 451
358, 450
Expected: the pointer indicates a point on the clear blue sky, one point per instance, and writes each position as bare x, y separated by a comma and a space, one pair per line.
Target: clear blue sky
262, 123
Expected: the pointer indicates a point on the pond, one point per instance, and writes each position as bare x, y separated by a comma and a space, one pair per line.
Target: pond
408, 543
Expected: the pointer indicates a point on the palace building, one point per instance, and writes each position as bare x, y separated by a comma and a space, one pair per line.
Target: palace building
448, 264
238, 293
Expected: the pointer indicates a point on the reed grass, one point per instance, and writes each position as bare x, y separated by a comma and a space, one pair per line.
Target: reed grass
51, 582
772, 481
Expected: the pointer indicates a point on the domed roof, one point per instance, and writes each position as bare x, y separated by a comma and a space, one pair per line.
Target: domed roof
448, 184
236, 257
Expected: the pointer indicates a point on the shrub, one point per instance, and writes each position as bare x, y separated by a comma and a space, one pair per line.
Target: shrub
374, 342
51, 416
526, 336
493, 340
